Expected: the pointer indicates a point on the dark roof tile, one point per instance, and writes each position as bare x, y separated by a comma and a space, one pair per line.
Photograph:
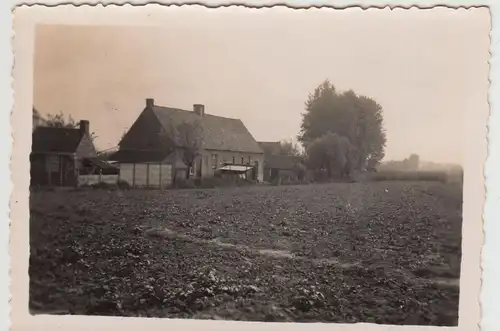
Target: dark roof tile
219, 133
55, 140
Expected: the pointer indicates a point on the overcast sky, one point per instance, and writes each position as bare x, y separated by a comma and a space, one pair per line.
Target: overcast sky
426, 69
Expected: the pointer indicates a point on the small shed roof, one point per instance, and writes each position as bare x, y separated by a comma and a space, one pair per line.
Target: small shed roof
55, 140
236, 168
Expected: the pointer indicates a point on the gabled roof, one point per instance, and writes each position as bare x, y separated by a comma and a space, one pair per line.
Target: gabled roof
55, 140
218, 133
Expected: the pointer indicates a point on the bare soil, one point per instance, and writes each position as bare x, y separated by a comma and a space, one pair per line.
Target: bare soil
383, 252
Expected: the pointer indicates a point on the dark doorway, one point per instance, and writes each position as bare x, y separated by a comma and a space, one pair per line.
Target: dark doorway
198, 167
274, 173
255, 170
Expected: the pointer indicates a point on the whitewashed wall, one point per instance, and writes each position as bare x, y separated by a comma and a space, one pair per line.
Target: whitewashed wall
94, 179
146, 175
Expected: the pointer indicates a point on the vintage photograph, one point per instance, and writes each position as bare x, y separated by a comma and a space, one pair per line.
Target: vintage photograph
266, 165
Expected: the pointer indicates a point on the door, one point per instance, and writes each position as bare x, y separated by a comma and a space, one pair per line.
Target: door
255, 170
274, 173
154, 175
198, 167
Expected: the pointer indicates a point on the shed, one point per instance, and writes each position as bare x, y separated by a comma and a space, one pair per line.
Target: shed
57, 154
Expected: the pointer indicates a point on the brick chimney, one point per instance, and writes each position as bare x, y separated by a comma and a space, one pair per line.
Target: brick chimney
199, 109
84, 128
150, 103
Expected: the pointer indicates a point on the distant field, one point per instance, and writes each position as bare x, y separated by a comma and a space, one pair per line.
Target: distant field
381, 252
440, 176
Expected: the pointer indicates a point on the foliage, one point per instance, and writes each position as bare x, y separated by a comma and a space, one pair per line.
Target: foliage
61, 121
188, 137
355, 117
411, 163
289, 148
388, 175
332, 154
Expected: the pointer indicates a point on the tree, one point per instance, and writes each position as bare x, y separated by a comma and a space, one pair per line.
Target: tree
331, 154
411, 163
60, 121
288, 147
355, 117
188, 137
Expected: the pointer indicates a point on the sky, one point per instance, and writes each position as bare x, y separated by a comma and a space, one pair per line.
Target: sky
426, 68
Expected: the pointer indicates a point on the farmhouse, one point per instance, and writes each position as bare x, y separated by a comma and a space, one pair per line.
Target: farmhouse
153, 151
58, 154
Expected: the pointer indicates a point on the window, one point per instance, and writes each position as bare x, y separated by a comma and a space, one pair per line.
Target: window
242, 160
191, 170
214, 161
234, 160
53, 163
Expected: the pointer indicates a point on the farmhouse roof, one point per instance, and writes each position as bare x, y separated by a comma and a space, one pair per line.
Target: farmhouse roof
128, 156
218, 133
55, 140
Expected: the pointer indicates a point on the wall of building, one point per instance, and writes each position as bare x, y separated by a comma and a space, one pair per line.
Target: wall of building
52, 170
147, 175
96, 179
86, 148
224, 157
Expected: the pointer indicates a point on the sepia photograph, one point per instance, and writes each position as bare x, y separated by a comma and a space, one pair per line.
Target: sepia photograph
258, 165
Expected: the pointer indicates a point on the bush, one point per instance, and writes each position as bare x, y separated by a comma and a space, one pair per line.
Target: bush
409, 176
123, 185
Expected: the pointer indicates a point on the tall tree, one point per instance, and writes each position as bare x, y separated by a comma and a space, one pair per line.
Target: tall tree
357, 118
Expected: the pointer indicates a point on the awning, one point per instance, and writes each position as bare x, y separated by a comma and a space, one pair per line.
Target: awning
236, 168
